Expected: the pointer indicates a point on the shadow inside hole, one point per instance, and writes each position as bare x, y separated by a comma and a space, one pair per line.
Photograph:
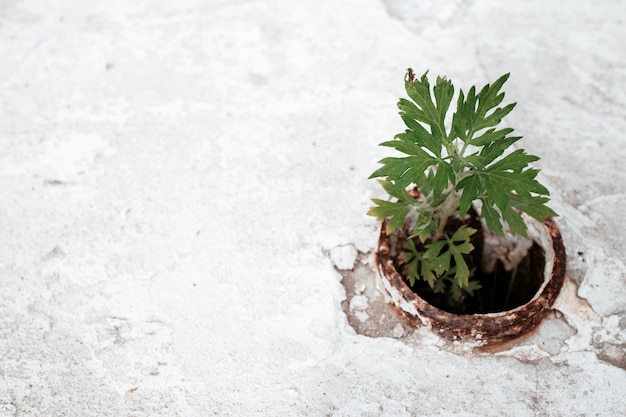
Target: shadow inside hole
501, 290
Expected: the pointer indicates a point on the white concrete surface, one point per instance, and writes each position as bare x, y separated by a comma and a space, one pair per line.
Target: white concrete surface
175, 177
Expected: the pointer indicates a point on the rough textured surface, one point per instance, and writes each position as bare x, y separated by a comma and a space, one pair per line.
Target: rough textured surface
175, 177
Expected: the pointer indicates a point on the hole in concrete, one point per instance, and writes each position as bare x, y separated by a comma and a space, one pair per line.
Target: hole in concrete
481, 329
501, 290
370, 313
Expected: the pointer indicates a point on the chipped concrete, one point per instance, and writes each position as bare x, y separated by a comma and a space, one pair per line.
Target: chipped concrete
175, 175
372, 314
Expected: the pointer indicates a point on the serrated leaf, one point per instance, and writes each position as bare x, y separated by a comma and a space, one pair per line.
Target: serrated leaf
424, 225
489, 136
434, 248
421, 137
471, 186
443, 263
404, 143
455, 291
462, 234
462, 271
460, 118
534, 206
515, 161
515, 222
443, 92
495, 117
494, 150
472, 286
458, 245
496, 192
411, 110
492, 218
404, 170
524, 183
419, 91
442, 178
396, 212
439, 286
463, 119
490, 96
397, 191
471, 115
425, 110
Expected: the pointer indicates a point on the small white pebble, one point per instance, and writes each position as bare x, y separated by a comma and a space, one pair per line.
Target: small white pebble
362, 316
398, 331
343, 257
359, 302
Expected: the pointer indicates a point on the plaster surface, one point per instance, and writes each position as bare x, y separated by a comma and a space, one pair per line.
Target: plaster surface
181, 183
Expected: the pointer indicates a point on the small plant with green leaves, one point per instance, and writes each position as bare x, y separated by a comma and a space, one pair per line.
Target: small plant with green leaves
457, 162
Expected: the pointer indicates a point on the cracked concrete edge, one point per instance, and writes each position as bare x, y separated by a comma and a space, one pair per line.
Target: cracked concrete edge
573, 325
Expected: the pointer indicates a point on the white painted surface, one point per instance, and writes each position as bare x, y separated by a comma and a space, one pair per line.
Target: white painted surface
172, 175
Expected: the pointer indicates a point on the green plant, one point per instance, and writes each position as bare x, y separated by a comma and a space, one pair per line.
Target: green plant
455, 162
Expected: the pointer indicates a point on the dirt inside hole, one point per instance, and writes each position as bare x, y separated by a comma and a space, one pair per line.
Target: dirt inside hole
501, 290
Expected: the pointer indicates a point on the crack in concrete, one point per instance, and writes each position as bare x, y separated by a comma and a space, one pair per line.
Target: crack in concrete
609, 341
572, 322
368, 312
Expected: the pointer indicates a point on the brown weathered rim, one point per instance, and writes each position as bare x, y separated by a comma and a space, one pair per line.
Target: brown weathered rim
486, 329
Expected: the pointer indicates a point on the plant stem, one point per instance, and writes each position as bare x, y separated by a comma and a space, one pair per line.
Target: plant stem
462, 153
493, 287
510, 289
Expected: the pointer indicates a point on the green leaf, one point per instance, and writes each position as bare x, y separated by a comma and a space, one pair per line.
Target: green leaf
462, 234
471, 186
496, 192
515, 222
494, 118
489, 136
425, 110
462, 271
396, 212
440, 286
492, 218
515, 161
460, 118
424, 225
458, 245
420, 137
473, 286
404, 170
471, 115
397, 191
443, 176
509, 179
403, 144
443, 92
464, 117
419, 91
534, 206
494, 150
412, 258
411, 110
434, 248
